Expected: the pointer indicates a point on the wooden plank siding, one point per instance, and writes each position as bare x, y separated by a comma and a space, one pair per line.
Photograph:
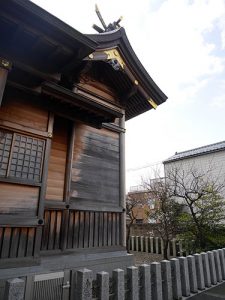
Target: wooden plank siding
24, 112
18, 199
57, 161
98, 89
95, 169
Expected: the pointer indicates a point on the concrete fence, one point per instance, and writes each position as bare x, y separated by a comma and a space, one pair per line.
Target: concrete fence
177, 278
155, 245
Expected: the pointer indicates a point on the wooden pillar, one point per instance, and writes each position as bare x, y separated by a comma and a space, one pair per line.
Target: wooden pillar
69, 162
41, 206
122, 181
5, 67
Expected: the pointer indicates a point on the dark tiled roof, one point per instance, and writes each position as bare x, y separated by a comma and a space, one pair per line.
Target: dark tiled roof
197, 151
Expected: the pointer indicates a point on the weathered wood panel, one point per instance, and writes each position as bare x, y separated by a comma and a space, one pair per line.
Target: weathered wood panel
18, 199
89, 229
16, 242
57, 162
51, 230
95, 171
24, 112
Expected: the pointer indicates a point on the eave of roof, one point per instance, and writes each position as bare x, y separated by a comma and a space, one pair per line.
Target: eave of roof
47, 22
216, 147
118, 38
68, 42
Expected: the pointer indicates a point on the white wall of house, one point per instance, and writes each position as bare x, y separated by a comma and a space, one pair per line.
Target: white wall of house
212, 165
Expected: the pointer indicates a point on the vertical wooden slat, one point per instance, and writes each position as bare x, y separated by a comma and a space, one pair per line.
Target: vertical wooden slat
81, 230
86, 228
120, 229
45, 234
1, 238
117, 228
51, 230
14, 242
70, 230
38, 241
58, 229
76, 229
6, 242
30, 242
105, 229
100, 229
91, 230
113, 228
64, 229
23, 242
96, 214
109, 229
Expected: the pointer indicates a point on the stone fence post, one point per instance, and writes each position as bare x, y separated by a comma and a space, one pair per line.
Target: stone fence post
14, 289
103, 284
84, 284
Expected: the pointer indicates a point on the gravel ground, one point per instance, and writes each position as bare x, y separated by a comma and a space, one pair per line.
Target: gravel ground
145, 258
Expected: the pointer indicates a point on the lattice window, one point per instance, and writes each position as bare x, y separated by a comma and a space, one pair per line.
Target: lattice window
5, 147
21, 156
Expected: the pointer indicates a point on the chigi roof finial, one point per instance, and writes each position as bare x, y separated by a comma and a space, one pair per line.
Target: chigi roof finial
110, 27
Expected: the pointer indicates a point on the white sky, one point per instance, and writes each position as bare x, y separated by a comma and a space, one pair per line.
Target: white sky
181, 43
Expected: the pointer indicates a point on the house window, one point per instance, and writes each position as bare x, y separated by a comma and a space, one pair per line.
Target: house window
21, 156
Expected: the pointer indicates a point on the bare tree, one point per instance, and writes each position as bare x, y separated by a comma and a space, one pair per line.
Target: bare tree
133, 202
201, 193
166, 212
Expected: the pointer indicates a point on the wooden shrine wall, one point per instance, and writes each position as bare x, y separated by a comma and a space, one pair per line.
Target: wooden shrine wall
85, 213
95, 168
23, 141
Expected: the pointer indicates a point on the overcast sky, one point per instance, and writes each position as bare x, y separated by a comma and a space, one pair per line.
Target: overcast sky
181, 44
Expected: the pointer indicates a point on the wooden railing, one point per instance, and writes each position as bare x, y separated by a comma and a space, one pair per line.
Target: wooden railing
16, 242
89, 229
84, 229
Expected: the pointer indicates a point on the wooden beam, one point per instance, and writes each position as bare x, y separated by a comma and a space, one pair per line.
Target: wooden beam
39, 74
122, 183
83, 100
5, 66
73, 113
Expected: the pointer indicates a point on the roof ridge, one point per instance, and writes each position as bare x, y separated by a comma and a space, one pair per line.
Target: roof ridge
200, 147
196, 151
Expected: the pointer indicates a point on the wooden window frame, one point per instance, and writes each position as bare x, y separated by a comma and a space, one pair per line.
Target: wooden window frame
18, 180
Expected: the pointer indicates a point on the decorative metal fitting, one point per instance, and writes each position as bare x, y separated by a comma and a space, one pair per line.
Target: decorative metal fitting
153, 104
5, 63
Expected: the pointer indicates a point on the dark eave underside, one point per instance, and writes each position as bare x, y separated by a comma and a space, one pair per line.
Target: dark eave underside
42, 49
